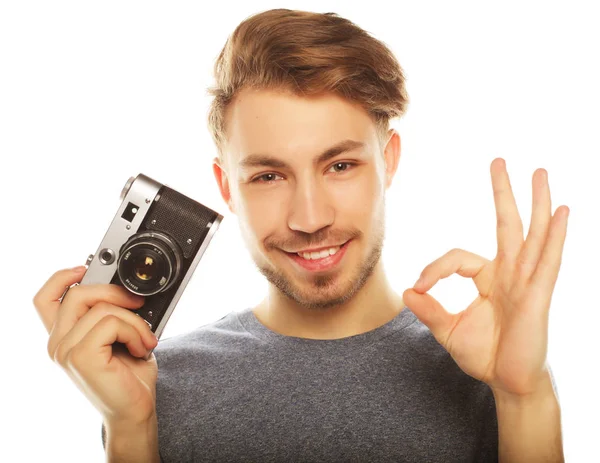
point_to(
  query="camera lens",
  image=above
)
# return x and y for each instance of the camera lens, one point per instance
(149, 263)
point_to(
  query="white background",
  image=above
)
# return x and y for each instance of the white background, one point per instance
(92, 93)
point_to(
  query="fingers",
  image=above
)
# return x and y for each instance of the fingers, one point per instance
(432, 314)
(97, 344)
(509, 228)
(80, 299)
(59, 347)
(546, 272)
(46, 299)
(541, 213)
(464, 263)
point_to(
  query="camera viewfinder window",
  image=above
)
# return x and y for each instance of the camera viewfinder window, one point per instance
(129, 212)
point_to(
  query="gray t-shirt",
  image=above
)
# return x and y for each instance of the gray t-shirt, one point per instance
(234, 390)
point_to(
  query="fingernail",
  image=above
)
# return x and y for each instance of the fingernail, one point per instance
(78, 269)
(418, 283)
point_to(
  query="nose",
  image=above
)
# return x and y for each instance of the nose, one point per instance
(310, 209)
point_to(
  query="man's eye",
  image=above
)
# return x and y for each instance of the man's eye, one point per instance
(343, 164)
(264, 176)
(270, 177)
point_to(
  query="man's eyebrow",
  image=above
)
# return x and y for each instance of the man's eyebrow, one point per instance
(263, 160)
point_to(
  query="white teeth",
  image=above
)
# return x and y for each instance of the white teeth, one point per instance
(320, 254)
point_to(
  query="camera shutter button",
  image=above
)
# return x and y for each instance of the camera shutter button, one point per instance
(107, 256)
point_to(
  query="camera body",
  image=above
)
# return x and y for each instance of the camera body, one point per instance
(152, 247)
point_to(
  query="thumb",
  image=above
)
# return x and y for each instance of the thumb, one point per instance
(431, 313)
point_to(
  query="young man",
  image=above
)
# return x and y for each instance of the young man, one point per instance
(333, 364)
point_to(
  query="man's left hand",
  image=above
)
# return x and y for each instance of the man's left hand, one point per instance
(501, 338)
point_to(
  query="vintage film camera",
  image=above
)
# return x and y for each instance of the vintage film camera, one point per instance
(152, 247)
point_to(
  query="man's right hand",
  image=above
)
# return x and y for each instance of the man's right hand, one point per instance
(83, 328)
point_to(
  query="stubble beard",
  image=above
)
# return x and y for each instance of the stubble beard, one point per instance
(323, 292)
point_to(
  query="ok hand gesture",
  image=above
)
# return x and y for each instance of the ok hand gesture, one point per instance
(501, 338)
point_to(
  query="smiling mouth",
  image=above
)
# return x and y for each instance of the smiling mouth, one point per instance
(323, 260)
(315, 255)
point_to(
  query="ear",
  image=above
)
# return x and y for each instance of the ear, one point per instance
(392, 156)
(223, 182)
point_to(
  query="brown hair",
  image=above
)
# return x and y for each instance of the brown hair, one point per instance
(307, 54)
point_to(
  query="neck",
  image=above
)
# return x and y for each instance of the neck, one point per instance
(373, 306)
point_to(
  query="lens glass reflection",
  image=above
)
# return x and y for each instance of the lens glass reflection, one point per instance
(145, 268)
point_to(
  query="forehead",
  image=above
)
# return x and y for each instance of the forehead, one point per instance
(283, 124)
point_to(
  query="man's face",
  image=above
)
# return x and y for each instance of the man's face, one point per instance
(292, 204)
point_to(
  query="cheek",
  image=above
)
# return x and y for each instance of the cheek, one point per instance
(261, 214)
(359, 198)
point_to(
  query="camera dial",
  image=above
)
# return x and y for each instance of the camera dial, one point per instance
(149, 263)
